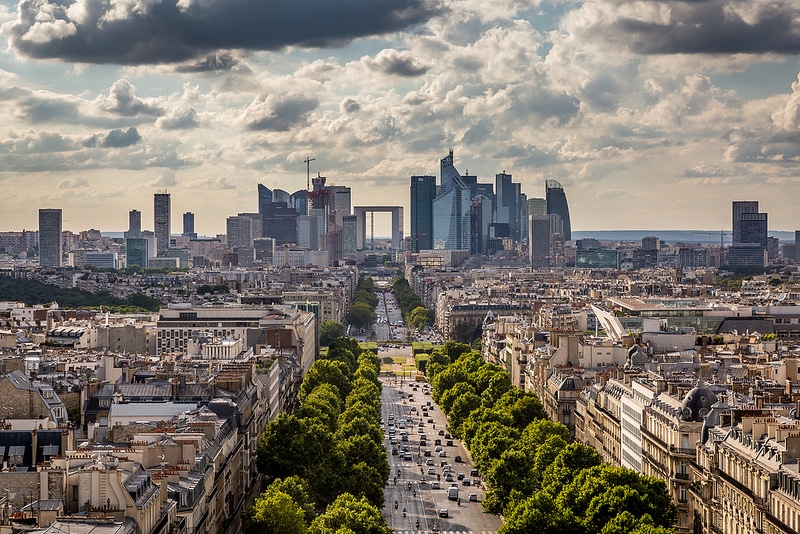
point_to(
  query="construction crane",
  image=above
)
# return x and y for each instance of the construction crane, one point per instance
(308, 161)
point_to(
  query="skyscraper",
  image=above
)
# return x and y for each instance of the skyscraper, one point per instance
(507, 204)
(279, 222)
(753, 228)
(557, 205)
(50, 249)
(161, 220)
(423, 191)
(188, 224)
(451, 209)
(239, 232)
(134, 224)
(738, 208)
(539, 241)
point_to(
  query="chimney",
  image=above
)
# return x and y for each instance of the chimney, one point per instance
(34, 447)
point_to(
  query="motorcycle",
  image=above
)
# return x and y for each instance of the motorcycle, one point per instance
(395, 505)
(404, 512)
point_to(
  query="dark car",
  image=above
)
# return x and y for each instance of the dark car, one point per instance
(441, 432)
(457, 459)
(449, 442)
(394, 451)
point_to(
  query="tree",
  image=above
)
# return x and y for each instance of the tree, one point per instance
(489, 443)
(463, 406)
(420, 317)
(349, 514)
(275, 512)
(367, 297)
(330, 330)
(572, 459)
(595, 495)
(332, 372)
(539, 514)
(526, 410)
(360, 315)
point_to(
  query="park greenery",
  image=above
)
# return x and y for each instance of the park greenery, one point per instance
(33, 292)
(538, 478)
(326, 465)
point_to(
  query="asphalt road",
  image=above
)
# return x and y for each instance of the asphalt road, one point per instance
(414, 489)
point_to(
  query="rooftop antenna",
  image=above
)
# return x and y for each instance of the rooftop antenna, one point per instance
(308, 161)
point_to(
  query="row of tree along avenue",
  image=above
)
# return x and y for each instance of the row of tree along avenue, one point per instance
(538, 479)
(326, 465)
(361, 313)
(414, 312)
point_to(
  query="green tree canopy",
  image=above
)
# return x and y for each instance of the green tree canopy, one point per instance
(348, 512)
(275, 512)
(360, 315)
(330, 330)
(332, 372)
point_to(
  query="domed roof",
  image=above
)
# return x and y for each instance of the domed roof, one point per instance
(636, 356)
(697, 403)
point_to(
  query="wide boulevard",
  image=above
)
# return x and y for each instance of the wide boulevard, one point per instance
(421, 470)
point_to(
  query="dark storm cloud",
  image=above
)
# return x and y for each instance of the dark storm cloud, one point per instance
(219, 61)
(120, 139)
(397, 64)
(278, 113)
(713, 27)
(166, 31)
(114, 139)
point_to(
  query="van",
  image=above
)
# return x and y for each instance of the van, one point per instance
(452, 493)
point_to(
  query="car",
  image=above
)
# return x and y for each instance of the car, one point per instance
(473, 497)
(413, 408)
(465, 482)
(430, 419)
(443, 512)
(393, 440)
(437, 442)
(422, 443)
(457, 459)
(443, 454)
(441, 432)
(448, 477)
(427, 452)
(429, 461)
(394, 451)
(461, 476)
(473, 473)
(435, 484)
(443, 463)
(448, 436)
(438, 448)
(449, 442)
(431, 471)
(408, 456)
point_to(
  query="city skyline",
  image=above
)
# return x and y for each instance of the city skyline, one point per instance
(655, 116)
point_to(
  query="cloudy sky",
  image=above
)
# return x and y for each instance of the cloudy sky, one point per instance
(652, 114)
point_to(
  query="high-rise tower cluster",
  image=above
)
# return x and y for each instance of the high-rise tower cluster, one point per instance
(461, 213)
